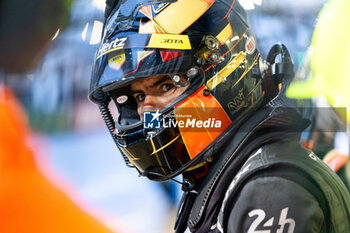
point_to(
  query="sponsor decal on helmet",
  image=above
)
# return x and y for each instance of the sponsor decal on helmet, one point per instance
(107, 47)
(237, 102)
(117, 61)
(160, 7)
(250, 45)
(122, 99)
(169, 41)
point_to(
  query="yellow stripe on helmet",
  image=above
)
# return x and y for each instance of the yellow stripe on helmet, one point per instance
(226, 71)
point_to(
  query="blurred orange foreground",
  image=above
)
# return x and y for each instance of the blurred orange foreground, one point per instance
(28, 202)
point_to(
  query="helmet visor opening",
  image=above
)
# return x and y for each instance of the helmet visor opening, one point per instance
(155, 93)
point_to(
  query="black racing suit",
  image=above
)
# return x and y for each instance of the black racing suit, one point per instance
(264, 181)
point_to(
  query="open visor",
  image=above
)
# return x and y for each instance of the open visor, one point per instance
(120, 60)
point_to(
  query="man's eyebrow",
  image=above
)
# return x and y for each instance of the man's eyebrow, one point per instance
(156, 83)
(161, 80)
(132, 92)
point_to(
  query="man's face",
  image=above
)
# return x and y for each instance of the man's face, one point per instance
(155, 93)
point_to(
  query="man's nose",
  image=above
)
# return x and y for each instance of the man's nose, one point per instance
(151, 101)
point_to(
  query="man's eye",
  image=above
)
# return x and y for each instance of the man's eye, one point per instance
(140, 97)
(167, 87)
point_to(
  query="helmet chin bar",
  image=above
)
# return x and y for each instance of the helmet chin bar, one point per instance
(109, 121)
(185, 186)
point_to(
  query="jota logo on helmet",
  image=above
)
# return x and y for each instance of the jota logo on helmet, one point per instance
(117, 43)
(171, 41)
(152, 120)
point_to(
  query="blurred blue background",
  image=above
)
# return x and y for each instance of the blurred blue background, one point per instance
(77, 145)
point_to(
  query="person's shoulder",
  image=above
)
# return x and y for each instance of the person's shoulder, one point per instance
(282, 151)
(273, 202)
(291, 160)
(289, 153)
(281, 183)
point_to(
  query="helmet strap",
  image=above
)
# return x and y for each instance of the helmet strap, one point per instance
(109, 121)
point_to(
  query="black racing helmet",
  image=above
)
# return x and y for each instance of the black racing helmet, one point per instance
(210, 43)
